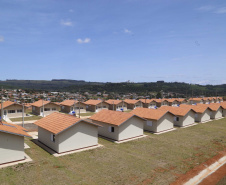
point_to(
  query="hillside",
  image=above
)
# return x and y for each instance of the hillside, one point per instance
(142, 87)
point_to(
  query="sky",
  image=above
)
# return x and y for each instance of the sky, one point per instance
(114, 40)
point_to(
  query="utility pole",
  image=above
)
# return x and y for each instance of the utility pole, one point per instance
(79, 103)
(2, 107)
(42, 108)
(113, 106)
(23, 115)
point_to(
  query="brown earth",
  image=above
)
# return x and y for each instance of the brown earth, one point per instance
(195, 171)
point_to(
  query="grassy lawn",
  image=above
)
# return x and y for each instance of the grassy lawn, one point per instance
(157, 159)
(87, 114)
(26, 118)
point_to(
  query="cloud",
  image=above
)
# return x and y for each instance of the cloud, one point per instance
(1, 38)
(206, 8)
(85, 41)
(127, 31)
(221, 10)
(66, 23)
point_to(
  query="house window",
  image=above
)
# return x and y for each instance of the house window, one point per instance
(53, 109)
(149, 123)
(196, 115)
(33, 108)
(104, 107)
(47, 109)
(19, 110)
(81, 107)
(62, 107)
(11, 111)
(111, 129)
(53, 138)
(176, 118)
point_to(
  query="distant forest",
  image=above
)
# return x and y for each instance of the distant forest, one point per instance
(122, 88)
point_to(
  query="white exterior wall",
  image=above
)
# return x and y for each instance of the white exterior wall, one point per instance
(104, 130)
(44, 136)
(16, 108)
(224, 113)
(216, 114)
(131, 128)
(188, 119)
(101, 106)
(164, 123)
(120, 105)
(205, 116)
(78, 136)
(11, 148)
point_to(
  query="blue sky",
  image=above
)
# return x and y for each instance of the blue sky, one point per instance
(114, 40)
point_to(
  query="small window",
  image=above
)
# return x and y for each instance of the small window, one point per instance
(196, 115)
(19, 110)
(62, 107)
(53, 109)
(53, 138)
(47, 109)
(11, 111)
(104, 106)
(176, 118)
(149, 123)
(111, 129)
(33, 108)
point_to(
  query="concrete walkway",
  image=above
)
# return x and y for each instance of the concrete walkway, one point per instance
(55, 154)
(206, 172)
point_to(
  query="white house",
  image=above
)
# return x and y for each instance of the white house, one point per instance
(157, 120)
(183, 116)
(12, 142)
(63, 132)
(118, 126)
(203, 113)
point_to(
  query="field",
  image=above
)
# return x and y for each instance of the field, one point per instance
(157, 159)
(26, 118)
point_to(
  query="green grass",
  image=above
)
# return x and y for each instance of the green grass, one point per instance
(157, 159)
(26, 118)
(87, 114)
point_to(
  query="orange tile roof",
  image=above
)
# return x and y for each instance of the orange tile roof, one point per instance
(212, 106)
(178, 111)
(181, 99)
(68, 102)
(115, 102)
(93, 102)
(13, 129)
(147, 100)
(154, 114)
(40, 103)
(223, 104)
(159, 100)
(58, 122)
(195, 99)
(172, 100)
(111, 117)
(130, 101)
(6, 104)
(196, 108)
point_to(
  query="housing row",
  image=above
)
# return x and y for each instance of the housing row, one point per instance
(43, 108)
(63, 133)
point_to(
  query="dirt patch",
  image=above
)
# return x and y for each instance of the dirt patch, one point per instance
(215, 177)
(195, 171)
